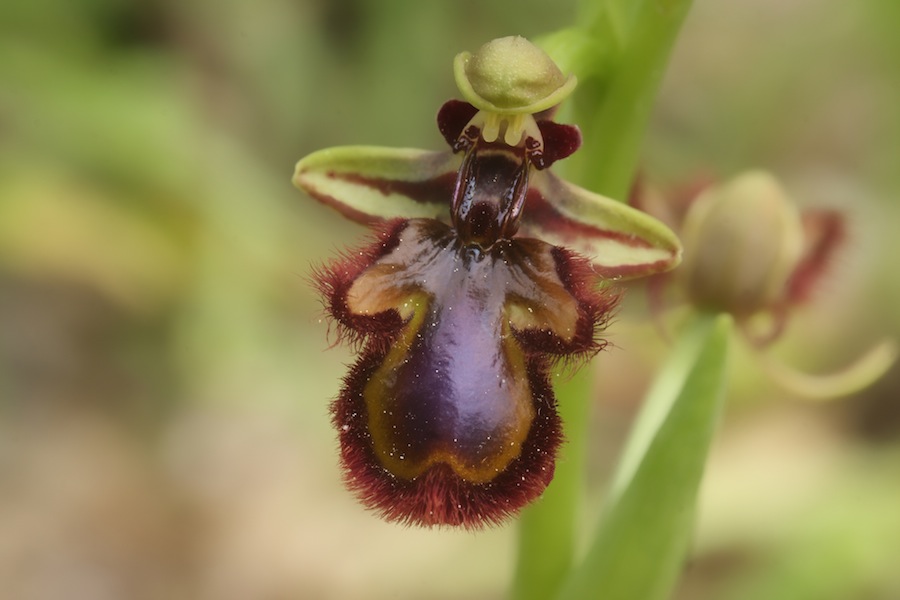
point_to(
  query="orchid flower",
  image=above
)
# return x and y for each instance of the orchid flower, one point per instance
(485, 271)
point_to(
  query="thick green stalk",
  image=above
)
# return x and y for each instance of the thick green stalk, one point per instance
(547, 529)
(613, 120)
(641, 543)
(614, 124)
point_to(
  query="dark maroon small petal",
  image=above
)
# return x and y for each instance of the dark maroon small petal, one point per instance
(560, 141)
(824, 231)
(452, 118)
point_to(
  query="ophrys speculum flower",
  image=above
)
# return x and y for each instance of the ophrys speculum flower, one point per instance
(473, 289)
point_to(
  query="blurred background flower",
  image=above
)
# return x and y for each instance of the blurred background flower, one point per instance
(163, 380)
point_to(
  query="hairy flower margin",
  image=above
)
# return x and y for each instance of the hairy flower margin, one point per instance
(486, 270)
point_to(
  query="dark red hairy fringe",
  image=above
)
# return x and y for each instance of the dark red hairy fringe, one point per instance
(596, 307)
(439, 497)
(334, 279)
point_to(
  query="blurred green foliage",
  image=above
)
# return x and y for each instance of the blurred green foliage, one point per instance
(164, 371)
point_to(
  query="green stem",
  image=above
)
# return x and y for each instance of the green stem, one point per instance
(614, 126)
(640, 545)
(547, 528)
(613, 121)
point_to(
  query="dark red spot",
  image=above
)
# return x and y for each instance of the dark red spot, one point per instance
(452, 118)
(560, 141)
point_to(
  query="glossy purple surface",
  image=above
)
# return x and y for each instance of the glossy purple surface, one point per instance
(453, 388)
(448, 416)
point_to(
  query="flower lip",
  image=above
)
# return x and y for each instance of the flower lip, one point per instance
(511, 76)
(448, 417)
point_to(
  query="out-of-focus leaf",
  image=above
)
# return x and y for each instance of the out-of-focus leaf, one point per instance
(54, 227)
(843, 545)
(644, 534)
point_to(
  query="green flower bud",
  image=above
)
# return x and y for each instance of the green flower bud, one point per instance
(511, 75)
(742, 242)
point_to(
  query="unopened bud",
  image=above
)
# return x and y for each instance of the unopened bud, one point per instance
(742, 242)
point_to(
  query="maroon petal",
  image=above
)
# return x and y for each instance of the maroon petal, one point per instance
(560, 141)
(824, 231)
(452, 118)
